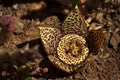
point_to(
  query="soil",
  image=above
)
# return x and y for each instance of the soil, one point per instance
(31, 14)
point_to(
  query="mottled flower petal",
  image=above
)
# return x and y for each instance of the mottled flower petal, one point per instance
(94, 40)
(50, 38)
(74, 23)
(76, 53)
(59, 64)
(67, 61)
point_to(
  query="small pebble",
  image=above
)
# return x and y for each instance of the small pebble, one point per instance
(89, 19)
(45, 70)
(15, 6)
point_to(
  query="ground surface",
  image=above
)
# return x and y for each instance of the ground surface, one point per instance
(29, 16)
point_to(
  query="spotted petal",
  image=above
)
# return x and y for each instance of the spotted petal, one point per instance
(74, 23)
(68, 57)
(50, 38)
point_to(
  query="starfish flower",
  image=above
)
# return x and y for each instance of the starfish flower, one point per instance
(66, 47)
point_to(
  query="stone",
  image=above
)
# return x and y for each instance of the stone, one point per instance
(115, 40)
